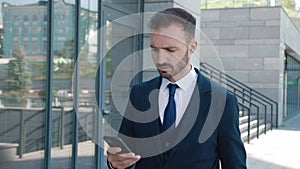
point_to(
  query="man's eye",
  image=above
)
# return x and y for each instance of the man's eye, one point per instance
(171, 50)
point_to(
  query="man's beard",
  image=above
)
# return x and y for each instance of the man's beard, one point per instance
(174, 69)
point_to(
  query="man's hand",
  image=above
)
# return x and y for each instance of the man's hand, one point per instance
(121, 161)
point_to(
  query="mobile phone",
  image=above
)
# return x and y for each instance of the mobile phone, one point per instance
(113, 141)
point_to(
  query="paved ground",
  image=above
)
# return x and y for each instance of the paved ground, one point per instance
(278, 149)
(61, 158)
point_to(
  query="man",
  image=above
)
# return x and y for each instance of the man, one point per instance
(179, 120)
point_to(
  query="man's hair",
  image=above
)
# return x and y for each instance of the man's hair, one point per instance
(174, 16)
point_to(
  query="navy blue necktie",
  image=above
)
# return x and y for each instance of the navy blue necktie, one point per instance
(170, 111)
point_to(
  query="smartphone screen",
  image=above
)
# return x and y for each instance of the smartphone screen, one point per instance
(117, 142)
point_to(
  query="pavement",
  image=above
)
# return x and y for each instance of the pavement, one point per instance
(278, 149)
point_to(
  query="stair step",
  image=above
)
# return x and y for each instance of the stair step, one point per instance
(244, 119)
(253, 124)
(253, 132)
(244, 126)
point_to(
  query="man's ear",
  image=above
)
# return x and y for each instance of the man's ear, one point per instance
(193, 46)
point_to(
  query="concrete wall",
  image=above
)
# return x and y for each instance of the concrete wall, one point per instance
(247, 41)
(249, 44)
(296, 22)
(290, 34)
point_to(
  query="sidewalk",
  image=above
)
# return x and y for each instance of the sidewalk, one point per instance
(278, 149)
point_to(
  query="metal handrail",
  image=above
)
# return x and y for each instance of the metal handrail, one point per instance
(24, 133)
(257, 114)
(237, 81)
(245, 95)
(239, 84)
(236, 89)
(242, 97)
(242, 85)
(248, 120)
(253, 93)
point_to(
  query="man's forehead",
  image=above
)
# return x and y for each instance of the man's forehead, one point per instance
(172, 31)
(166, 38)
(173, 26)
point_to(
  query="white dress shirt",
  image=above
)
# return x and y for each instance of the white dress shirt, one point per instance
(182, 96)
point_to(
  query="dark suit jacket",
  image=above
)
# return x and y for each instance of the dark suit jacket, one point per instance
(208, 134)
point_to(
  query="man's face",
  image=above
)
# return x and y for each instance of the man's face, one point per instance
(170, 51)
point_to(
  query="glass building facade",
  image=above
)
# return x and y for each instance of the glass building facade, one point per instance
(292, 74)
(56, 67)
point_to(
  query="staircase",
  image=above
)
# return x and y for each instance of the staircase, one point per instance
(257, 114)
(253, 127)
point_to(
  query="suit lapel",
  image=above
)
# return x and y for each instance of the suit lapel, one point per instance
(154, 111)
(154, 126)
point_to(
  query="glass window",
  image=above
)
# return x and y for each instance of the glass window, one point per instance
(25, 31)
(63, 68)
(88, 65)
(25, 46)
(25, 18)
(44, 46)
(130, 6)
(22, 84)
(35, 47)
(16, 31)
(16, 18)
(45, 18)
(36, 30)
(45, 30)
(34, 18)
(293, 86)
(23, 100)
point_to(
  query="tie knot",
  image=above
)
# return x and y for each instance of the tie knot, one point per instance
(172, 88)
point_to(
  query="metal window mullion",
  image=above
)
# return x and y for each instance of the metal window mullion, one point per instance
(49, 80)
(76, 86)
(140, 42)
(100, 85)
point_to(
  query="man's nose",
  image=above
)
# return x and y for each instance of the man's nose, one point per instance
(162, 57)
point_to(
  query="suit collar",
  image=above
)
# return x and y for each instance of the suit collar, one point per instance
(203, 88)
(184, 83)
(202, 82)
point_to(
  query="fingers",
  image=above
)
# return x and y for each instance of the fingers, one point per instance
(114, 150)
(121, 161)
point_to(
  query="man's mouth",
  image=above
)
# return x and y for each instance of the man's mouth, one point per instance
(164, 68)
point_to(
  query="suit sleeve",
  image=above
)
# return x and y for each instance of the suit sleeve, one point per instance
(230, 146)
(126, 129)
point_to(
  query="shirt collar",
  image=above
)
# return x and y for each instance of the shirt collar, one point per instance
(182, 83)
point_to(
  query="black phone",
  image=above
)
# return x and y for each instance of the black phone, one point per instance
(113, 141)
